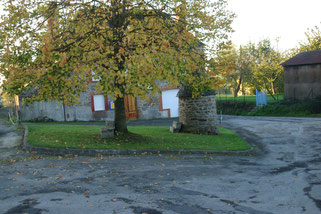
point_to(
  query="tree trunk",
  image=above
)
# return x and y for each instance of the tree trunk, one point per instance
(237, 89)
(120, 116)
(272, 87)
(64, 108)
(270, 92)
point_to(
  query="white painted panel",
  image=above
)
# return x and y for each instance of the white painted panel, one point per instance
(170, 100)
(99, 102)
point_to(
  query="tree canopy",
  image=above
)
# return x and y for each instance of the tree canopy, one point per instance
(50, 48)
(313, 40)
(253, 66)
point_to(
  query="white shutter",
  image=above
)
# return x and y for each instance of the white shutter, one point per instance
(170, 101)
(99, 102)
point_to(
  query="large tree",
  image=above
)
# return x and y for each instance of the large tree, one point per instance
(49, 48)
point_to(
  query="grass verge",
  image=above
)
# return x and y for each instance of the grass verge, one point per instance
(247, 98)
(286, 108)
(140, 137)
(296, 108)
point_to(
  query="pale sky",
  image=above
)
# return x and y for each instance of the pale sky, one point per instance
(286, 19)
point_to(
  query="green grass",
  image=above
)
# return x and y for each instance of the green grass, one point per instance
(247, 98)
(234, 108)
(140, 137)
(296, 108)
(285, 108)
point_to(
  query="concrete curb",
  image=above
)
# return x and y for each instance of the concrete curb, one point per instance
(105, 152)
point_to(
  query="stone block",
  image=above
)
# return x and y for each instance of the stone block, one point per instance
(173, 130)
(107, 132)
(110, 124)
(177, 125)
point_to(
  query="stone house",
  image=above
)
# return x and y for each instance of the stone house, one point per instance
(95, 107)
(302, 75)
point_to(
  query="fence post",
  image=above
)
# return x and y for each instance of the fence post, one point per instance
(257, 103)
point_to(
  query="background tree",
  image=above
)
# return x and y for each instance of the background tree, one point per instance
(313, 40)
(266, 68)
(253, 66)
(235, 65)
(50, 48)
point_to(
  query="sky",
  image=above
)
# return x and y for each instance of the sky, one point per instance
(287, 20)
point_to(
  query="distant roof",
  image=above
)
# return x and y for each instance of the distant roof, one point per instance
(304, 58)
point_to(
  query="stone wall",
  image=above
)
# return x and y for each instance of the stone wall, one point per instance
(302, 81)
(54, 111)
(150, 109)
(4, 111)
(83, 112)
(198, 115)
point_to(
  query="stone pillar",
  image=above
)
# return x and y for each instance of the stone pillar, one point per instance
(198, 115)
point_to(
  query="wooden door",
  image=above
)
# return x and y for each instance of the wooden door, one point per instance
(130, 107)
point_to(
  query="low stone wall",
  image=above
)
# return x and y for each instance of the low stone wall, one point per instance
(4, 111)
(198, 115)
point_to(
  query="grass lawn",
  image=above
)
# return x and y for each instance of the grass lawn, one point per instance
(140, 137)
(248, 98)
(245, 105)
(294, 108)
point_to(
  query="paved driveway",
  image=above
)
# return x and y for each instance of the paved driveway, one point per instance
(284, 177)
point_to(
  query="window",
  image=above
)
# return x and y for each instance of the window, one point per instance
(99, 102)
(93, 78)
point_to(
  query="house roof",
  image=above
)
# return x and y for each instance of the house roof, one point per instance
(304, 58)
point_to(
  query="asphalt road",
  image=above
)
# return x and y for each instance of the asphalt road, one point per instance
(284, 177)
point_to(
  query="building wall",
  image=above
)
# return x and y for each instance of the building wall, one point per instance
(301, 82)
(153, 108)
(149, 109)
(78, 112)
